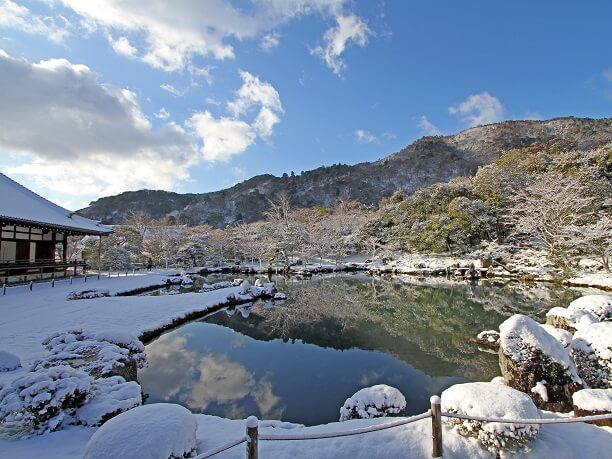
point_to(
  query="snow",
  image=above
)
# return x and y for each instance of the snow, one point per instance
(373, 402)
(8, 361)
(491, 400)
(519, 332)
(596, 337)
(574, 318)
(160, 430)
(540, 389)
(280, 296)
(19, 203)
(593, 400)
(599, 305)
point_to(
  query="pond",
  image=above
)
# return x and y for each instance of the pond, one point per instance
(299, 360)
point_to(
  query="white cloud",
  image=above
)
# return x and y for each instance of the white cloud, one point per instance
(19, 17)
(226, 137)
(607, 74)
(222, 137)
(479, 109)
(270, 41)
(162, 114)
(174, 32)
(427, 127)
(122, 46)
(349, 29)
(78, 136)
(172, 90)
(365, 136)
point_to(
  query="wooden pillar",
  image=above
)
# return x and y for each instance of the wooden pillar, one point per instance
(99, 253)
(436, 426)
(65, 247)
(252, 437)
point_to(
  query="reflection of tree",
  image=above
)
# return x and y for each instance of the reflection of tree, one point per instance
(429, 326)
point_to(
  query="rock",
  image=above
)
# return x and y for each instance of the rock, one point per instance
(598, 305)
(529, 355)
(590, 402)
(280, 296)
(245, 287)
(8, 361)
(488, 338)
(491, 400)
(373, 402)
(157, 431)
(563, 336)
(592, 352)
(258, 283)
(569, 320)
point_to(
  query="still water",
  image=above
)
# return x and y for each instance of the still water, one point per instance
(300, 359)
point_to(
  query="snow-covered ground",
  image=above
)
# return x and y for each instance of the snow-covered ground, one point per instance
(27, 317)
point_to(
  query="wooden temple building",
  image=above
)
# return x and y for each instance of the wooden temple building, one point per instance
(34, 235)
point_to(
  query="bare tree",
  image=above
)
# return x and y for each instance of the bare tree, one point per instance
(594, 238)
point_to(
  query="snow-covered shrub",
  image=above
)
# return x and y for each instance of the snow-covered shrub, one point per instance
(42, 401)
(599, 305)
(157, 431)
(180, 280)
(8, 361)
(280, 296)
(99, 354)
(588, 402)
(528, 354)
(491, 400)
(88, 294)
(592, 352)
(116, 258)
(373, 402)
(111, 396)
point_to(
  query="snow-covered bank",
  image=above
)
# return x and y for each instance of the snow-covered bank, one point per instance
(29, 317)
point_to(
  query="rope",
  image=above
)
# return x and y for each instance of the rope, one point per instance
(598, 417)
(220, 449)
(363, 430)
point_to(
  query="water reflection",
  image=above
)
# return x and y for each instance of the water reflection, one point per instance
(299, 360)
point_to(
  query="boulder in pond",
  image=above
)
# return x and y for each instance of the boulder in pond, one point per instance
(489, 339)
(569, 319)
(530, 357)
(590, 402)
(598, 305)
(592, 351)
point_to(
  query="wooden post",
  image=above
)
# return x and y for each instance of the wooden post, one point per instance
(252, 437)
(436, 426)
(31, 284)
(99, 253)
(3, 289)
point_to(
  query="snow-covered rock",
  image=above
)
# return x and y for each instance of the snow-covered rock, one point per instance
(373, 402)
(588, 402)
(592, 352)
(42, 401)
(491, 400)
(569, 319)
(528, 354)
(280, 296)
(216, 286)
(258, 283)
(157, 431)
(237, 282)
(488, 338)
(111, 396)
(561, 335)
(88, 294)
(245, 287)
(101, 354)
(599, 305)
(8, 361)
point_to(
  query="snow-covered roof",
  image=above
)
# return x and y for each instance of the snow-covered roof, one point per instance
(20, 205)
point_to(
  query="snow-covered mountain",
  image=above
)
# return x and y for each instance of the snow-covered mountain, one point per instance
(427, 161)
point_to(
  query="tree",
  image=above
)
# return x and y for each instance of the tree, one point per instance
(549, 208)
(594, 238)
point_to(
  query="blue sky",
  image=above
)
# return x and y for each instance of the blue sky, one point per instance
(99, 97)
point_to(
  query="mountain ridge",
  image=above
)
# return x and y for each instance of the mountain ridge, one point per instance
(426, 161)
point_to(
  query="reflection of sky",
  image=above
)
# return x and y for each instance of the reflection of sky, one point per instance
(216, 370)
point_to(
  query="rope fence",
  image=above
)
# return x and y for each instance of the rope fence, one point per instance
(252, 437)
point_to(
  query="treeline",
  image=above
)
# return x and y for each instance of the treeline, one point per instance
(548, 195)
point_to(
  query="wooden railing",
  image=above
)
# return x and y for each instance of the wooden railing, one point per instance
(27, 270)
(252, 437)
